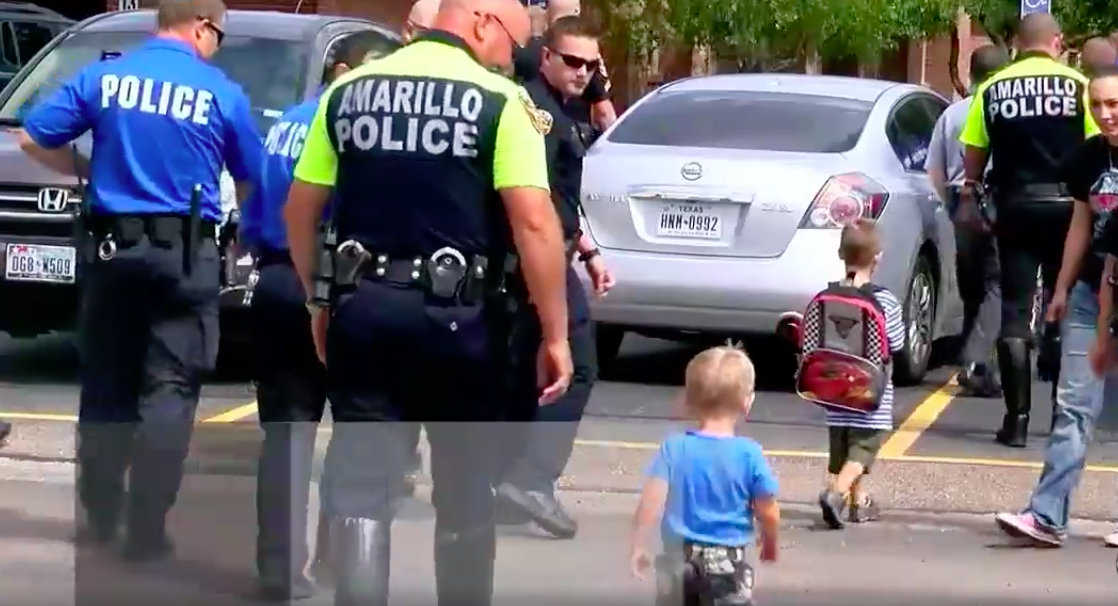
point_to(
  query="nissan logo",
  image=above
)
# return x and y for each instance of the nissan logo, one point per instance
(691, 171)
(53, 199)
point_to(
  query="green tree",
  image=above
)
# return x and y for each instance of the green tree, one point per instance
(767, 34)
(1080, 19)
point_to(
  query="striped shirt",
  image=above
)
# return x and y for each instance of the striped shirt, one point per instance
(882, 418)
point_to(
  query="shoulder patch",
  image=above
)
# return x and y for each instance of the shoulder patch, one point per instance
(541, 119)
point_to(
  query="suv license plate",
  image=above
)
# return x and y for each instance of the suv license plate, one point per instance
(35, 263)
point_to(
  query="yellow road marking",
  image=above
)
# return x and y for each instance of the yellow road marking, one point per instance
(231, 416)
(921, 418)
(39, 416)
(893, 450)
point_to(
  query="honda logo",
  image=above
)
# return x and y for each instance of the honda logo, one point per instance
(53, 199)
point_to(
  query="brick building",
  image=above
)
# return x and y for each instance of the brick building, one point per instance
(924, 62)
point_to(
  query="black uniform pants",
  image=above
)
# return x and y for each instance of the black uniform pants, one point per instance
(1030, 234)
(399, 358)
(550, 438)
(291, 397)
(978, 273)
(148, 334)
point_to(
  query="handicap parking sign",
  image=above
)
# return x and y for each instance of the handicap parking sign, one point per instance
(1029, 7)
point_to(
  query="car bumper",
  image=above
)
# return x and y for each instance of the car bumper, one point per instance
(659, 293)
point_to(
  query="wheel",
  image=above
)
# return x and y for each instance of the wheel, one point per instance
(607, 341)
(911, 364)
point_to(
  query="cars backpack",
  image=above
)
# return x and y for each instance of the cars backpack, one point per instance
(845, 359)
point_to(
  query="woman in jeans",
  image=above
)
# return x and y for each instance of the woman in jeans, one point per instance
(1091, 176)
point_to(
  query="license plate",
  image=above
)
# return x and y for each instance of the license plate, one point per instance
(698, 221)
(34, 263)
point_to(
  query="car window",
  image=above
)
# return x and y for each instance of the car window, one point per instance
(30, 37)
(745, 120)
(272, 72)
(9, 56)
(386, 46)
(909, 131)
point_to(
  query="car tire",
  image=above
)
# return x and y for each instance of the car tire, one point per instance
(911, 364)
(607, 344)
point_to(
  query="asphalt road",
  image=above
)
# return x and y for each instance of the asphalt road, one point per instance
(634, 405)
(935, 559)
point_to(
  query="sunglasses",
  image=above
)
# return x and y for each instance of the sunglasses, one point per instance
(574, 62)
(213, 27)
(501, 24)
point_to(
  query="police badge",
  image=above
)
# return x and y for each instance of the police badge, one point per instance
(541, 119)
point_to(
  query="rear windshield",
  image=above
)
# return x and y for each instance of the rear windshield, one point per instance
(272, 72)
(745, 120)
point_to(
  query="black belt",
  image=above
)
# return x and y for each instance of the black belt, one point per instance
(1034, 190)
(128, 230)
(267, 257)
(450, 275)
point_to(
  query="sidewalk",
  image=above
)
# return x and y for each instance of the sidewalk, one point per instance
(952, 560)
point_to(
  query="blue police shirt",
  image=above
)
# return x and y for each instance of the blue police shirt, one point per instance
(712, 482)
(163, 120)
(262, 224)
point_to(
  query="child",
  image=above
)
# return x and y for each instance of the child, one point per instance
(855, 438)
(709, 485)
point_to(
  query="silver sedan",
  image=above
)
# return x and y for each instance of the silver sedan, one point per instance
(718, 203)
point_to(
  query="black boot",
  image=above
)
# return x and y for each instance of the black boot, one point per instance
(464, 564)
(282, 495)
(363, 550)
(1013, 360)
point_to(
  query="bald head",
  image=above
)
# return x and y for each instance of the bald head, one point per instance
(557, 9)
(492, 28)
(1097, 53)
(420, 18)
(1040, 32)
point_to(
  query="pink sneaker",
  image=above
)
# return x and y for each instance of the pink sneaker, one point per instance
(1024, 525)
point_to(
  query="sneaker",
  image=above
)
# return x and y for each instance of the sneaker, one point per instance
(1025, 525)
(866, 511)
(1111, 540)
(832, 505)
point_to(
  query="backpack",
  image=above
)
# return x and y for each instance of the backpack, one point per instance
(845, 361)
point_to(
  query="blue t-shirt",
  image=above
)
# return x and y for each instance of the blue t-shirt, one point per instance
(262, 224)
(712, 483)
(163, 120)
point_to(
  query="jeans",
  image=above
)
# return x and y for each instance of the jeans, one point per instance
(1079, 401)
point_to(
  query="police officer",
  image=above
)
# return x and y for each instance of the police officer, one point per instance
(1026, 119)
(1098, 54)
(290, 380)
(570, 60)
(419, 19)
(164, 122)
(593, 106)
(976, 252)
(438, 171)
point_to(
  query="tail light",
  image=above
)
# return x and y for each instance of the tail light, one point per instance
(844, 199)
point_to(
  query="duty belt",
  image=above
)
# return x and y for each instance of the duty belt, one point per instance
(446, 273)
(126, 231)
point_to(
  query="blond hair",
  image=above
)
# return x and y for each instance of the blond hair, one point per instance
(719, 379)
(859, 244)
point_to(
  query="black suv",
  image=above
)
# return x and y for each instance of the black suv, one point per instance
(25, 29)
(278, 58)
